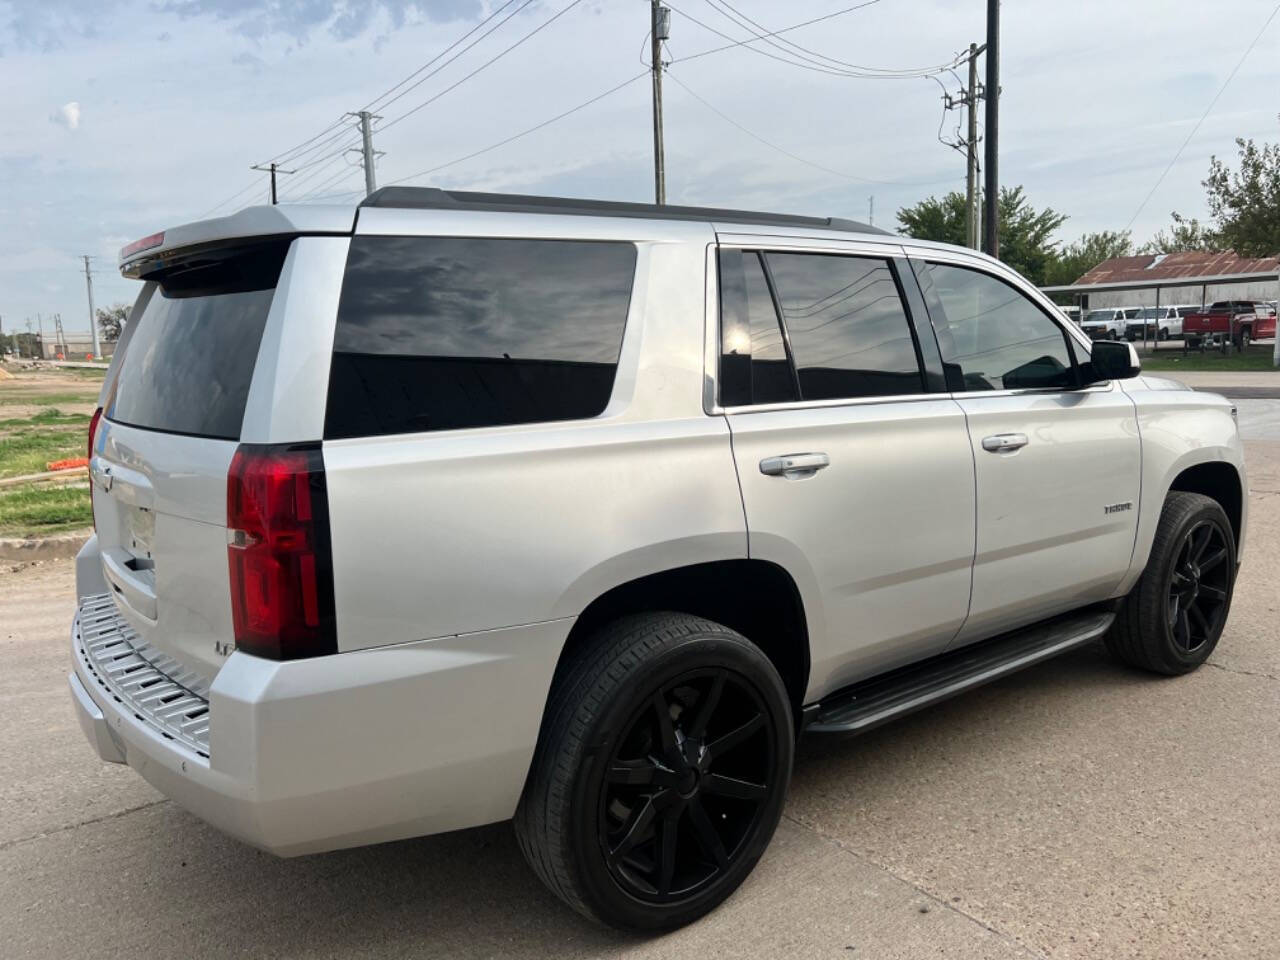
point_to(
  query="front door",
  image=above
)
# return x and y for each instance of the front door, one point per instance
(1058, 468)
(853, 478)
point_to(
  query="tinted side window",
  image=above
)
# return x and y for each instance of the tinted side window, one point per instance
(992, 337)
(847, 325)
(444, 333)
(754, 367)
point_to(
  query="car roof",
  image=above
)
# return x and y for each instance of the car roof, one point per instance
(433, 198)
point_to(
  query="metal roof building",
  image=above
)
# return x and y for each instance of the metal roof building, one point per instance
(1174, 278)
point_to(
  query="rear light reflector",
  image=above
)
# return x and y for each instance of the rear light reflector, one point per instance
(279, 553)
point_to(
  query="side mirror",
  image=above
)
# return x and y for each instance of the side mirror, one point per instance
(1111, 360)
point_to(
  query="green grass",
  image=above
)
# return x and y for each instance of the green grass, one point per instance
(28, 446)
(1257, 358)
(37, 510)
(14, 397)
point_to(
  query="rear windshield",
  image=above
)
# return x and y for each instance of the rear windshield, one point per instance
(442, 333)
(190, 359)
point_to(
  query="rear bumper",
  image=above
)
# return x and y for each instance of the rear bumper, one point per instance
(349, 749)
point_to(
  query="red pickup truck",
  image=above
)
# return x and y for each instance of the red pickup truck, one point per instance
(1229, 321)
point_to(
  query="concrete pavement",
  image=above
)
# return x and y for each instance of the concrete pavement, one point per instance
(1077, 809)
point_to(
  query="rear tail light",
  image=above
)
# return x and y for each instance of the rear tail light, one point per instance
(279, 552)
(93, 435)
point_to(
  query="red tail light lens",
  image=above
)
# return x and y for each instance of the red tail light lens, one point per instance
(93, 435)
(279, 553)
(93, 429)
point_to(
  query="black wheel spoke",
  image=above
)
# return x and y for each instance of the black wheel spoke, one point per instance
(667, 854)
(1214, 593)
(733, 787)
(705, 831)
(734, 737)
(709, 703)
(1199, 540)
(1212, 560)
(637, 830)
(1182, 630)
(1195, 613)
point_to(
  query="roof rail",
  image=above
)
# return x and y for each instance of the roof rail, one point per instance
(433, 198)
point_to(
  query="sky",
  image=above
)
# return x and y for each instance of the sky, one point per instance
(122, 117)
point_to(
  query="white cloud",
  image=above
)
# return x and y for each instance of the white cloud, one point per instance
(67, 115)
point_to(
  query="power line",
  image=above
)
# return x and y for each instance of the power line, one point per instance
(794, 156)
(420, 82)
(752, 26)
(777, 33)
(516, 136)
(528, 36)
(859, 73)
(1209, 109)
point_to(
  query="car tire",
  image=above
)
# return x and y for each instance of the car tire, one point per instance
(1163, 334)
(1173, 618)
(1245, 337)
(660, 772)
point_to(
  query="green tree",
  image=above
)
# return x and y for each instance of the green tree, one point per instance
(1186, 234)
(1245, 204)
(111, 320)
(1076, 259)
(1025, 233)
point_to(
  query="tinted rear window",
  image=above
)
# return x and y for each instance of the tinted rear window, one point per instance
(444, 333)
(190, 359)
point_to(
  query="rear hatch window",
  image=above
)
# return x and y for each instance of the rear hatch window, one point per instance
(191, 357)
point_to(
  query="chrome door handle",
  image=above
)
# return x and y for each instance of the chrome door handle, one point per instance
(794, 465)
(1004, 442)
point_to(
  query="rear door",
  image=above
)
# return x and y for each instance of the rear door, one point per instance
(1058, 468)
(855, 477)
(172, 419)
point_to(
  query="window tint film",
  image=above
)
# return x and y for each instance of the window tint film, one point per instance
(753, 356)
(190, 358)
(847, 325)
(994, 338)
(444, 333)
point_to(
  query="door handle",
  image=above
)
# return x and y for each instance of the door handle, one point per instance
(794, 465)
(1004, 442)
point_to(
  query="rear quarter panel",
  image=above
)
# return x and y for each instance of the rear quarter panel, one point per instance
(437, 534)
(1180, 428)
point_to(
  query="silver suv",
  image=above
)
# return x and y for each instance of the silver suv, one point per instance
(457, 507)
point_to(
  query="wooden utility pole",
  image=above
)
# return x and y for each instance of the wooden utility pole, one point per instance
(991, 226)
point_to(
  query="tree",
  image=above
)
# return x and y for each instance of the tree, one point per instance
(1025, 233)
(1184, 235)
(1246, 204)
(1076, 259)
(111, 320)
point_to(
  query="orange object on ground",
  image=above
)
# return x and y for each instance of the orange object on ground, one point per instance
(69, 464)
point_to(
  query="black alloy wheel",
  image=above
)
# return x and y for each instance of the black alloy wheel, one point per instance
(686, 785)
(660, 773)
(1199, 587)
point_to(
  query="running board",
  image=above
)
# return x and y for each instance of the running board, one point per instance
(872, 702)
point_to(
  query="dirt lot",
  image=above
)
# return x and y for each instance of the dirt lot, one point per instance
(1075, 810)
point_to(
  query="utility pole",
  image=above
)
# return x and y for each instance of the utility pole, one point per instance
(273, 169)
(366, 151)
(972, 208)
(871, 210)
(991, 231)
(93, 319)
(659, 30)
(40, 327)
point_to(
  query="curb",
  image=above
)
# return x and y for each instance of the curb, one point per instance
(57, 547)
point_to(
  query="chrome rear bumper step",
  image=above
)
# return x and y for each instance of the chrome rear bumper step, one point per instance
(870, 703)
